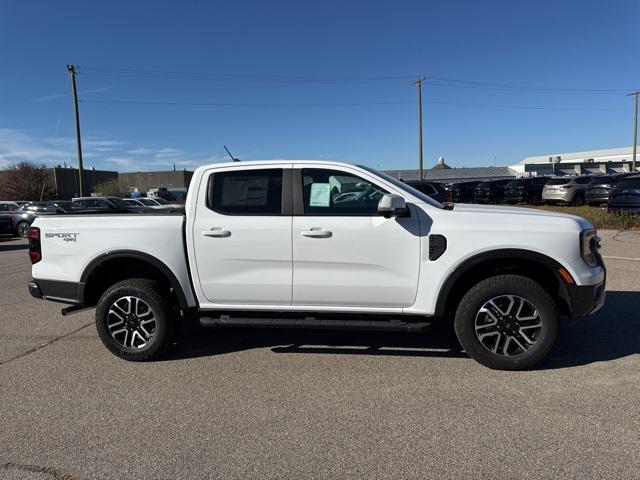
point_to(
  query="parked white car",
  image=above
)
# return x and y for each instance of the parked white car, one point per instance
(266, 243)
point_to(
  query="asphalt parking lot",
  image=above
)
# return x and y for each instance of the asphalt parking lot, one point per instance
(306, 404)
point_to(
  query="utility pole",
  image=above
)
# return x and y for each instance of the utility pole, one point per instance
(72, 72)
(635, 128)
(418, 82)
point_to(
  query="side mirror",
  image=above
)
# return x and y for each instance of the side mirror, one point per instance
(392, 205)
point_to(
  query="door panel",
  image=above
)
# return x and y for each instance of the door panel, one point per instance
(242, 245)
(344, 254)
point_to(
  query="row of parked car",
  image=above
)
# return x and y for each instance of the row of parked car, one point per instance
(620, 192)
(17, 216)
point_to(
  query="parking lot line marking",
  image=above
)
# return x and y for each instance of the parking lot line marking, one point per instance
(612, 257)
(46, 344)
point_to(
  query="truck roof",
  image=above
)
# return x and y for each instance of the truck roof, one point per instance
(272, 162)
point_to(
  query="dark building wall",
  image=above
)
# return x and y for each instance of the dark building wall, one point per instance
(68, 185)
(144, 181)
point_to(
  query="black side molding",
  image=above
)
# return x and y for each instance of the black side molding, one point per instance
(338, 322)
(57, 291)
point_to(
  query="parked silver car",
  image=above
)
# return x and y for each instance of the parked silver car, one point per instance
(566, 190)
(24, 216)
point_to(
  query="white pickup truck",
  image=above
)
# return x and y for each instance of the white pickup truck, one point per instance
(322, 245)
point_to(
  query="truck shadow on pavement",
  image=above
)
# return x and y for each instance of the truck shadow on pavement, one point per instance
(611, 333)
(8, 244)
(196, 341)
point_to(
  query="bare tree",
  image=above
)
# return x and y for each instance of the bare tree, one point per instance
(27, 181)
(111, 188)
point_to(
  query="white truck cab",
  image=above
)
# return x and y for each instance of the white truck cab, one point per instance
(323, 245)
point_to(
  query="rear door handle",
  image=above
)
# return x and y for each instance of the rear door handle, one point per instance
(317, 233)
(216, 232)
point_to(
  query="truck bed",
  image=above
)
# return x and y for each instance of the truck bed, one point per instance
(70, 243)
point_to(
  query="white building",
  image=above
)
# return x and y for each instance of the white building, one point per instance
(610, 160)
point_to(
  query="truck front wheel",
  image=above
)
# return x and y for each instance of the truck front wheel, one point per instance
(134, 320)
(507, 322)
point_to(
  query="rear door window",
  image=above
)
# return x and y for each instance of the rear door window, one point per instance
(246, 192)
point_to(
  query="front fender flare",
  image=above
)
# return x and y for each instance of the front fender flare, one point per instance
(499, 254)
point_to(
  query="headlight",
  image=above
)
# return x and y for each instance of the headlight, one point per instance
(590, 247)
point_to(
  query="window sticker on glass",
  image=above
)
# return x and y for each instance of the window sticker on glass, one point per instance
(245, 191)
(320, 195)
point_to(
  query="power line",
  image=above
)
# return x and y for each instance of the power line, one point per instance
(231, 104)
(332, 80)
(238, 77)
(538, 91)
(526, 87)
(353, 104)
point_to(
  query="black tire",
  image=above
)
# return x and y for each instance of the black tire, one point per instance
(22, 229)
(501, 285)
(577, 200)
(534, 200)
(164, 317)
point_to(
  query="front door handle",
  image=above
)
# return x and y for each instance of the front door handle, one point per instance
(317, 233)
(216, 232)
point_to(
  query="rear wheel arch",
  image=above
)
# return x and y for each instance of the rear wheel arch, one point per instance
(111, 267)
(536, 266)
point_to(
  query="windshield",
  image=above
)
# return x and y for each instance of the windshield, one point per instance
(148, 202)
(517, 183)
(558, 181)
(629, 183)
(118, 202)
(403, 186)
(161, 201)
(33, 207)
(70, 205)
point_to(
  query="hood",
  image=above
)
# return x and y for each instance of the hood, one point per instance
(517, 211)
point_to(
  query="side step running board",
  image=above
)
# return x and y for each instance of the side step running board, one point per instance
(313, 322)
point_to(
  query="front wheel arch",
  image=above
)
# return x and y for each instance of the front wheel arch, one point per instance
(534, 265)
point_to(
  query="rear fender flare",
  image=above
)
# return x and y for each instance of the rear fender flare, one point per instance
(145, 257)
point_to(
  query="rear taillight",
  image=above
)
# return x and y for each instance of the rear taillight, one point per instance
(35, 252)
(566, 186)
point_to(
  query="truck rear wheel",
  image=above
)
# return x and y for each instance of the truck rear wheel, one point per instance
(507, 322)
(134, 320)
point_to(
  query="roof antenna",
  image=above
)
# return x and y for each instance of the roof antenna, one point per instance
(232, 157)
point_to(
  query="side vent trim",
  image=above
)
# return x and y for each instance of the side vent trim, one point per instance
(437, 246)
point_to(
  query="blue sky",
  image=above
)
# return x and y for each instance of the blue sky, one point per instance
(505, 79)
